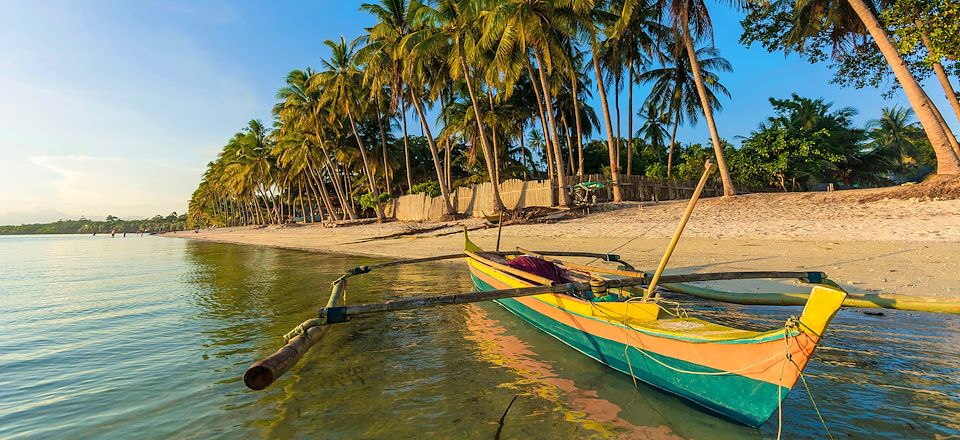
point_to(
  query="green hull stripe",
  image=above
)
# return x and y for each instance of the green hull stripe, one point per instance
(740, 398)
(771, 336)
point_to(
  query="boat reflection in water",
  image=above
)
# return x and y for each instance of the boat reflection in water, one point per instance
(598, 400)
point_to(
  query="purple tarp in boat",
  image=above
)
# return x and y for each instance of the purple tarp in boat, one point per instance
(540, 267)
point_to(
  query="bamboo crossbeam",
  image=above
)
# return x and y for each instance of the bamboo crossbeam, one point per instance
(364, 269)
(341, 314)
(858, 300)
(813, 277)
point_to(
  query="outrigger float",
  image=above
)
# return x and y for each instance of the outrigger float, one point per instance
(619, 318)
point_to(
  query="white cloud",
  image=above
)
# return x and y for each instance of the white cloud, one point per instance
(101, 107)
(97, 186)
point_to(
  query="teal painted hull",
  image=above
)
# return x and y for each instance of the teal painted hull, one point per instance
(742, 399)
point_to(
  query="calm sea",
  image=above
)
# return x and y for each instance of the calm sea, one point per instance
(145, 337)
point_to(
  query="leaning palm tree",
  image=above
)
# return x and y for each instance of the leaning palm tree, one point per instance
(674, 86)
(846, 20)
(340, 84)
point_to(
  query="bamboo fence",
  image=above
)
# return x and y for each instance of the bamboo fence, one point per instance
(477, 200)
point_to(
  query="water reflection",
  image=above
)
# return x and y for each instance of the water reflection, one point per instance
(149, 338)
(452, 371)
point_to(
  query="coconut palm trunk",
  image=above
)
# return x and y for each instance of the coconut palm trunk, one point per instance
(448, 163)
(321, 187)
(406, 146)
(673, 141)
(728, 189)
(629, 116)
(497, 201)
(543, 126)
(576, 118)
(441, 180)
(614, 169)
(940, 72)
(564, 197)
(494, 137)
(943, 123)
(366, 167)
(523, 153)
(566, 133)
(303, 210)
(383, 146)
(342, 194)
(947, 161)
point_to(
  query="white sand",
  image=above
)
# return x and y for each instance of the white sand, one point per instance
(891, 246)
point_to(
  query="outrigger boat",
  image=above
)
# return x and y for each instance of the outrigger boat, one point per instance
(619, 318)
(741, 374)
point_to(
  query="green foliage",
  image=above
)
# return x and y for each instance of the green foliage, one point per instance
(776, 156)
(172, 222)
(430, 188)
(806, 143)
(657, 170)
(595, 157)
(940, 22)
(690, 160)
(835, 35)
(368, 201)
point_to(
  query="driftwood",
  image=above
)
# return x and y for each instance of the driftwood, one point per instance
(410, 232)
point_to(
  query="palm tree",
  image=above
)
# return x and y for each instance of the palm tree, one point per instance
(674, 86)
(689, 17)
(593, 20)
(637, 32)
(896, 132)
(846, 19)
(386, 38)
(450, 28)
(339, 85)
(536, 141)
(385, 47)
(654, 121)
(300, 110)
(537, 27)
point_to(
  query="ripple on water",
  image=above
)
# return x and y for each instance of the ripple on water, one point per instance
(148, 337)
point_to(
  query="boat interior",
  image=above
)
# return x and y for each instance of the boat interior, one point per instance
(618, 306)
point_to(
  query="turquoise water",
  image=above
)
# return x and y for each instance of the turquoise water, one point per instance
(148, 337)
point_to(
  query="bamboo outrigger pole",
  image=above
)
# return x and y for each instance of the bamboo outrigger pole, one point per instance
(263, 373)
(707, 168)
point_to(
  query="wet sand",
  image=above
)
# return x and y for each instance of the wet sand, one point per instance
(908, 247)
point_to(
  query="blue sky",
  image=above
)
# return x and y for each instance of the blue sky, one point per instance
(115, 107)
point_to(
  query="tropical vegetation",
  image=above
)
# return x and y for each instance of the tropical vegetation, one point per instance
(157, 223)
(500, 89)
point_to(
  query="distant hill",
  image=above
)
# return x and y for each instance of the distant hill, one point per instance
(157, 223)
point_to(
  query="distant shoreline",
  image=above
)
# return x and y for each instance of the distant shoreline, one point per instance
(892, 246)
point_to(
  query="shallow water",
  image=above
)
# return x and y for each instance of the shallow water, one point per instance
(148, 337)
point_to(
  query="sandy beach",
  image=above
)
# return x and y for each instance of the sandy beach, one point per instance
(909, 247)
